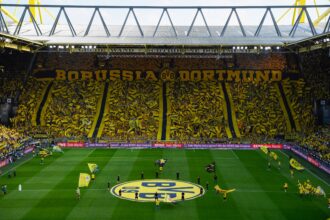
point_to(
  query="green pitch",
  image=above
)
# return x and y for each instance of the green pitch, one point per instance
(49, 189)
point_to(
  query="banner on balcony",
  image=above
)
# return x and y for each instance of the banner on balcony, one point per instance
(164, 75)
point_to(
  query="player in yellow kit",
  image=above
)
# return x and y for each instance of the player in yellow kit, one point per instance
(285, 187)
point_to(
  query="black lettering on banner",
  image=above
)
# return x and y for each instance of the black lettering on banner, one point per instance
(230, 75)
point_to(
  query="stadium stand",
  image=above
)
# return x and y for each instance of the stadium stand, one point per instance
(198, 112)
(133, 111)
(10, 87)
(29, 99)
(9, 141)
(318, 143)
(71, 108)
(13, 67)
(316, 86)
(316, 72)
(257, 115)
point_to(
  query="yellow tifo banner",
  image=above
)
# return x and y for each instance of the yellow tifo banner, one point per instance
(93, 167)
(219, 190)
(296, 165)
(44, 153)
(84, 180)
(264, 149)
(273, 155)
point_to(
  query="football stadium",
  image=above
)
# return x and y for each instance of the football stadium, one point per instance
(165, 109)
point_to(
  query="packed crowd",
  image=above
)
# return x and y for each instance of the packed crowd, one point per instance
(13, 67)
(318, 143)
(72, 107)
(9, 87)
(133, 112)
(316, 71)
(9, 141)
(261, 61)
(257, 115)
(296, 91)
(29, 99)
(196, 111)
(196, 108)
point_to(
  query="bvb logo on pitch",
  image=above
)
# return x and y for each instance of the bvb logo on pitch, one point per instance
(146, 190)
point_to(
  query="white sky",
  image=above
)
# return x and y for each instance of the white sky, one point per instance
(182, 17)
(170, 2)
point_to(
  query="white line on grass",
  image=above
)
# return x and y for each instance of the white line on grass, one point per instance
(15, 167)
(310, 171)
(105, 189)
(234, 154)
(225, 158)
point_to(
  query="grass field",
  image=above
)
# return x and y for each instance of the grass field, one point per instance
(49, 189)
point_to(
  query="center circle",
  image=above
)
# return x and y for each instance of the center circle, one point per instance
(167, 190)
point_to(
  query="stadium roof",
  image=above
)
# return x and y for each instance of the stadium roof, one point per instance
(165, 36)
(63, 31)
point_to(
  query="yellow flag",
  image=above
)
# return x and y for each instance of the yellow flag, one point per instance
(295, 164)
(84, 180)
(273, 155)
(264, 149)
(219, 190)
(57, 149)
(93, 167)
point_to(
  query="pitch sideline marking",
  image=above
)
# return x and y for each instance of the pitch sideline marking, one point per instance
(15, 167)
(234, 154)
(310, 171)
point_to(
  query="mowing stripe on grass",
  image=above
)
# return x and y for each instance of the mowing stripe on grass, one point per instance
(25, 173)
(251, 205)
(11, 167)
(17, 204)
(98, 203)
(66, 200)
(48, 190)
(232, 202)
(177, 162)
(125, 209)
(211, 201)
(316, 176)
(269, 181)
